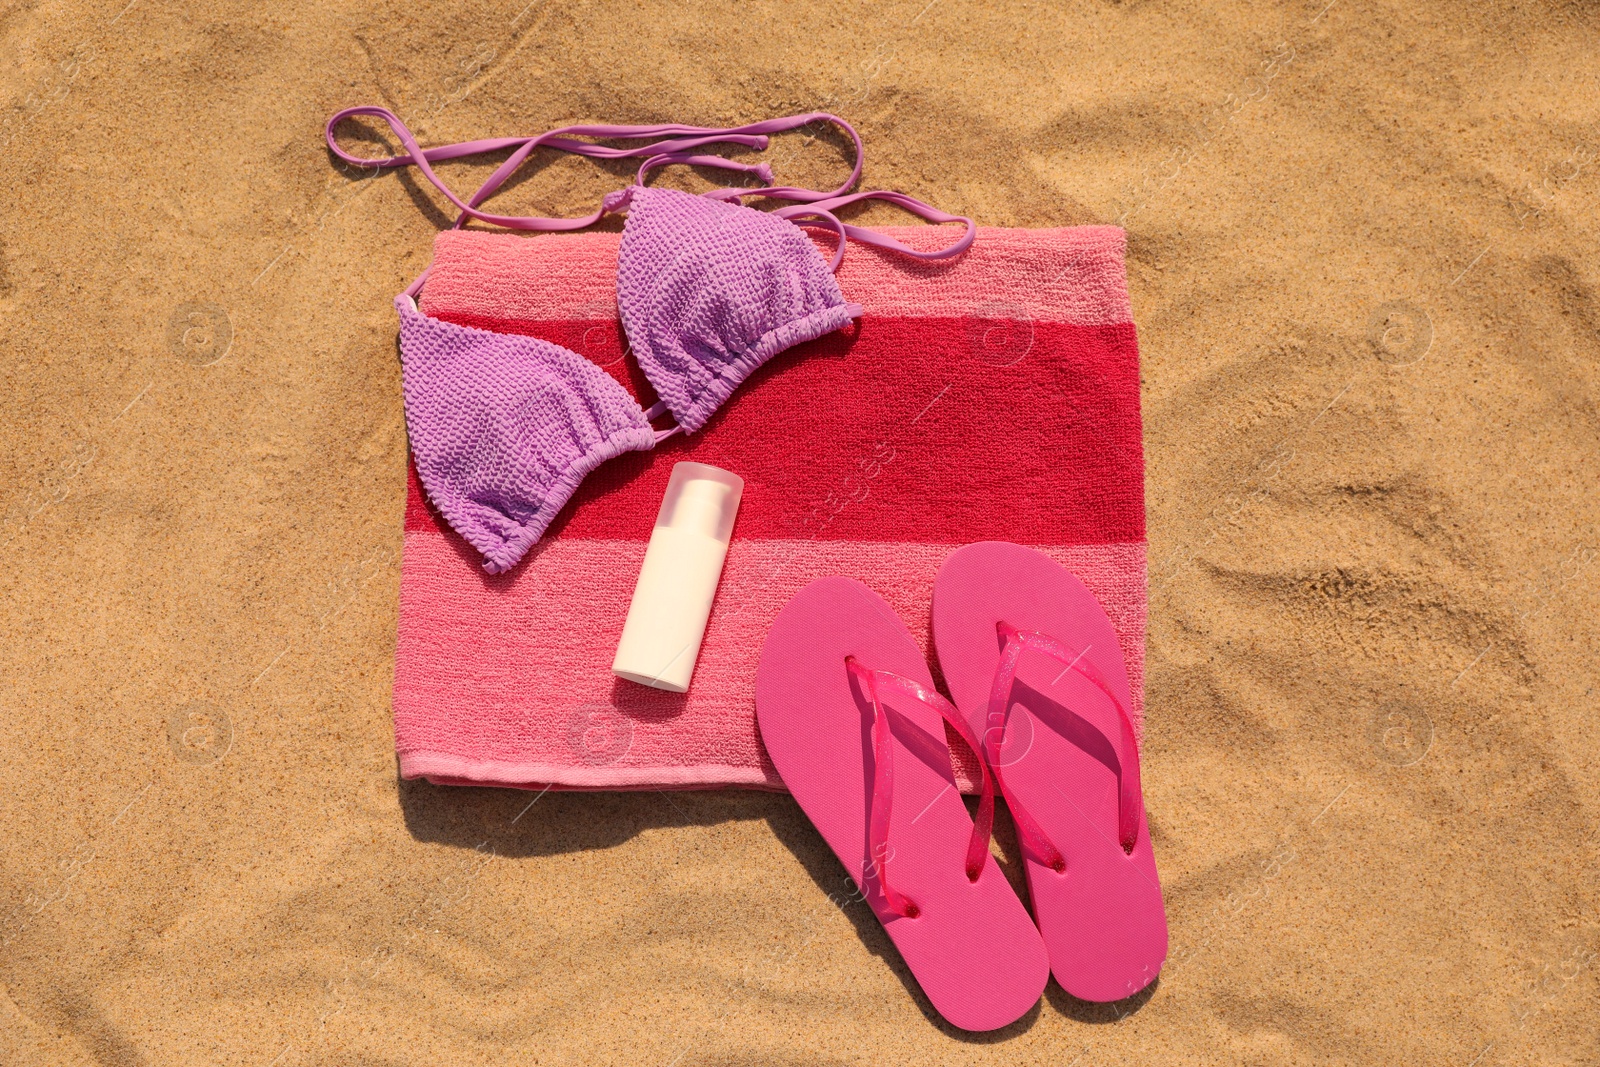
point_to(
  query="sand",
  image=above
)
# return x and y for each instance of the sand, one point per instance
(1362, 261)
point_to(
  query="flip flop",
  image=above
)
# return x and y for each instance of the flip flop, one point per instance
(850, 716)
(1032, 661)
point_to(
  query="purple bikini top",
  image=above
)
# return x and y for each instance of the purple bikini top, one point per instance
(504, 427)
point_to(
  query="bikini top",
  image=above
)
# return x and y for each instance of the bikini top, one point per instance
(504, 427)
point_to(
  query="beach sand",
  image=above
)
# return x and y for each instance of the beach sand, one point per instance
(1362, 257)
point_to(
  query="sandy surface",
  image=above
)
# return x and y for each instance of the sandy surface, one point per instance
(1363, 264)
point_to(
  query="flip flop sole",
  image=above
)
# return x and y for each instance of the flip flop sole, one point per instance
(1102, 917)
(972, 947)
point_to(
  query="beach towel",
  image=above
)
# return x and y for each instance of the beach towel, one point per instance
(995, 397)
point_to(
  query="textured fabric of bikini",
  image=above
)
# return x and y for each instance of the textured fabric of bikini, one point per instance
(504, 427)
(710, 290)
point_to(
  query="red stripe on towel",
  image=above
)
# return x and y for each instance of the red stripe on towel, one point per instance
(842, 438)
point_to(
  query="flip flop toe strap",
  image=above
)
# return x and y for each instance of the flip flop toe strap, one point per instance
(1130, 800)
(873, 683)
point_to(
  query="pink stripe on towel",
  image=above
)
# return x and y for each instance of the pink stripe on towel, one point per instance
(512, 685)
(1072, 275)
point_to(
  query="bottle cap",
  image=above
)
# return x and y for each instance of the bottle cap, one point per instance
(701, 499)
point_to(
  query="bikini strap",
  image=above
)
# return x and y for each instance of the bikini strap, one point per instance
(678, 146)
(878, 240)
(680, 140)
(675, 154)
(819, 205)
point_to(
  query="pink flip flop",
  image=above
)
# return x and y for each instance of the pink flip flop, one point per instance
(1033, 663)
(849, 714)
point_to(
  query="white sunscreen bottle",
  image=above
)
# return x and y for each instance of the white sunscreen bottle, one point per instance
(682, 566)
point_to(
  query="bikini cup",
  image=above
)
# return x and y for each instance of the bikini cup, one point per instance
(504, 427)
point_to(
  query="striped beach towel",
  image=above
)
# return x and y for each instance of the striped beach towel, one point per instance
(992, 398)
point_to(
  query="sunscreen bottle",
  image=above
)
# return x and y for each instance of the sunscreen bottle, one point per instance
(682, 566)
